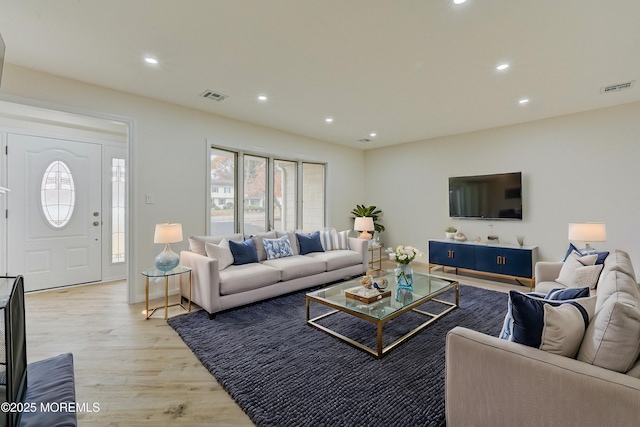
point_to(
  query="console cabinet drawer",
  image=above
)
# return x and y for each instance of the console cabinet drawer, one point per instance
(510, 262)
(451, 255)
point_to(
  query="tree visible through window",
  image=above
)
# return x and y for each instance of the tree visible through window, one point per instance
(255, 194)
(222, 215)
(269, 194)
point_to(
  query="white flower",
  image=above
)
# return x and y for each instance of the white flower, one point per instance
(404, 254)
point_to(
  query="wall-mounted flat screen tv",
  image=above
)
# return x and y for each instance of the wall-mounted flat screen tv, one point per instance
(496, 196)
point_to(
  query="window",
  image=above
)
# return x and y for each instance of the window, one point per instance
(118, 183)
(223, 174)
(57, 194)
(255, 194)
(284, 195)
(312, 196)
(275, 194)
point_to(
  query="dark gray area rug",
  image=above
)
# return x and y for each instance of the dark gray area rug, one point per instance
(283, 372)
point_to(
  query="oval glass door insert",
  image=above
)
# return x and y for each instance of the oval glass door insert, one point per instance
(57, 194)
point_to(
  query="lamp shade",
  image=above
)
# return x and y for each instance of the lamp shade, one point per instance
(168, 233)
(587, 231)
(363, 223)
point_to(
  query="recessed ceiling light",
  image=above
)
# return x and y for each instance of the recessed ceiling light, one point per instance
(328, 120)
(262, 98)
(150, 60)
(372, 134)
(459, 1)
(523, 101)
(502, 67)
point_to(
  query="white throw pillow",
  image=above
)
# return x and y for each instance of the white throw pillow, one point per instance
(612, 340)
(616, 281)
(580, 271)
(221, 252)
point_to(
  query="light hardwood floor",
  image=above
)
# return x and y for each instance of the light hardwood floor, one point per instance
(138, 371)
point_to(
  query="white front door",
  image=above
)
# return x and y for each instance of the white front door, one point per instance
(54, 211)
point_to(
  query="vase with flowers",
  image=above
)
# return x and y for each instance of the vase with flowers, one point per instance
(403, 255)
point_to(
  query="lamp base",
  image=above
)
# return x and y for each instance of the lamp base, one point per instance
(365, 235)
(167, 260)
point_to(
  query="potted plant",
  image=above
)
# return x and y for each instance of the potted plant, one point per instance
(369, 211)
(450, 232)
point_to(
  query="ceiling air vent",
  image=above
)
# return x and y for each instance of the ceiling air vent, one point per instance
(214, 96)
(618, 87)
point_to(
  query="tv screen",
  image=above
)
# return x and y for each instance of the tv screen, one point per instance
(497, 196)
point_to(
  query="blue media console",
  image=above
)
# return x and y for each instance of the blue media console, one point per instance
(489, 259)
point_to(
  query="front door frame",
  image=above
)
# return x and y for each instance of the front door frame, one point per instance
(130, 124)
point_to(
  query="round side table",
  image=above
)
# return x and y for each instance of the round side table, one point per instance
(154, 272)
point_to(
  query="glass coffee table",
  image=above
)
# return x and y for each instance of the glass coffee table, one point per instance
(425, 288)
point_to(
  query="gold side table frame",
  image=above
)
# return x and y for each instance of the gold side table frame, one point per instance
(154, 272)
(375, 264)
(380, 350)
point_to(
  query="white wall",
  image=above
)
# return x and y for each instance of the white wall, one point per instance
(169, 157)
(581, 167)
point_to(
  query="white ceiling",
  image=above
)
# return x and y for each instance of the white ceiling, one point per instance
(406, 69)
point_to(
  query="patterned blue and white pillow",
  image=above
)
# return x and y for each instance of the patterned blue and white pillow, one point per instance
(277, 248)
(553, 326)
(341, 240)
(326, 239)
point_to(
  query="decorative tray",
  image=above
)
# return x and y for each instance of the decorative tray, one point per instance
(366, 296)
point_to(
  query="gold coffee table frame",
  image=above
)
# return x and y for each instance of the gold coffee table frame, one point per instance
(444, 285)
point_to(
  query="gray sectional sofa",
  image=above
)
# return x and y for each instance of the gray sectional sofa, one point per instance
(215, 289)
(495, 382)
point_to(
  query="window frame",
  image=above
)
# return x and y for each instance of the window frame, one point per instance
(239, 154)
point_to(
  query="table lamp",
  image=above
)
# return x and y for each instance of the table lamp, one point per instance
(167, 233)
(587, 232)
(364, 224)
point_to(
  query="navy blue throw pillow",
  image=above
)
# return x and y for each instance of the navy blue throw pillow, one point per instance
(601, 255)
(559, 294)
(243, 252)
(571, 249)
(309, 243)
(529, 319)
